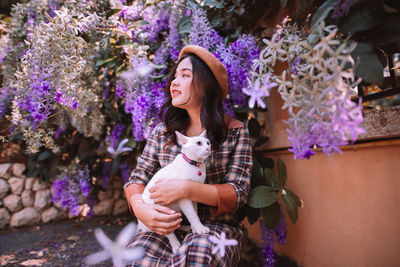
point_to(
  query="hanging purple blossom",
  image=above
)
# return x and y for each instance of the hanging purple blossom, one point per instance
(267, 236)
(116, 135)
(69, 189)
(202, 33)
(105, 175)
(125, 171)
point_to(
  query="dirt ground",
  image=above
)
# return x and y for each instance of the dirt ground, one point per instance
(64, 243)
(68, 242)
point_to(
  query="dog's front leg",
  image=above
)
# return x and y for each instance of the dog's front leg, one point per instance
(187, 208)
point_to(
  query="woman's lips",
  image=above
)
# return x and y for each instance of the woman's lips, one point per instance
(175, 92)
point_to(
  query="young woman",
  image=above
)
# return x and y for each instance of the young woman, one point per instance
(196, 88)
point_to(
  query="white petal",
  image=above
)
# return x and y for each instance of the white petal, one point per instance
(125, 149)
(222, 251)
(133, 254)
(102, 238)
(97, 257)
(213, 239)
(252, 101)
(111, 150)
(126, 234)
(118, 261)
(231, 242)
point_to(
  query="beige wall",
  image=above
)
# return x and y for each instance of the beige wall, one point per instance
(351, 213)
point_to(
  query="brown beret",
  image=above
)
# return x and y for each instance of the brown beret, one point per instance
(216, 66)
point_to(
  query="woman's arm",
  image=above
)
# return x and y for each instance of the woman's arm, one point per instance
(165, 192)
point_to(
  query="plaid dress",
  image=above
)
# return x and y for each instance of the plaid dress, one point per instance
(230, 164)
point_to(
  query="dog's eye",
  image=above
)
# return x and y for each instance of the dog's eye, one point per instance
(198, 143)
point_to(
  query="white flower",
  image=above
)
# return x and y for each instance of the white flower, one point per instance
(120, 148)
(258, 93)
(116, 250)
(221, 243)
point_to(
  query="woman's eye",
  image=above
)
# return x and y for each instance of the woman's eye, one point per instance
(198, 143)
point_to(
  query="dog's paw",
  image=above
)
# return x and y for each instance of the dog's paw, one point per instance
(200, 229)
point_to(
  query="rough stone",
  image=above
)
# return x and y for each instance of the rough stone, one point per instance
(4, 170)
(50, 214)
(39, 185)
(120, 207)
(4, 187)
(4, 218)
(27, 198)
(13, 203)
(16, 185)
(104, 195)
(18, 169)
(29, 183)
(116, 194)
(42, 199)
(103, 208)
(26, 216)
(117, 184)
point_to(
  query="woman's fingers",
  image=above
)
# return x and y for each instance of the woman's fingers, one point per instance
(165, 210)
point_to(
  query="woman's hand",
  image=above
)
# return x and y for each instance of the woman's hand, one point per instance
(165, 192)
(159, 219)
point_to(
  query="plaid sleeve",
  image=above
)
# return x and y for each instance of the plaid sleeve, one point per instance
(240, 164)
(147, 163)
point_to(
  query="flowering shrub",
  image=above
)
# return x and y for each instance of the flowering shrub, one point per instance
(316, 88)
(85, 81)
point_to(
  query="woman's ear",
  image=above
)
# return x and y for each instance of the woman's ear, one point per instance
(182, 139)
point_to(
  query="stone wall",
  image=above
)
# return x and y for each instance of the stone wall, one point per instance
(27, 201)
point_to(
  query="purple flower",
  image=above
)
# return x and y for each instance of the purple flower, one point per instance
(202, 33)
(125, 171)
(106, 173)
(342, 8)
(268, 245)
(116, 135)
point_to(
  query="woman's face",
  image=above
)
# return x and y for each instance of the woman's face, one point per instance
(182, 93)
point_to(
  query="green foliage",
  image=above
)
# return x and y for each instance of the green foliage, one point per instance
(262, 196)
(369, 23)
(266, 186)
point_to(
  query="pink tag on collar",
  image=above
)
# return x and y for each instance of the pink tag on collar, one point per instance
(199, 173)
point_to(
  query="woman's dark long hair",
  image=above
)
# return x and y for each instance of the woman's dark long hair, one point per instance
(211, 113)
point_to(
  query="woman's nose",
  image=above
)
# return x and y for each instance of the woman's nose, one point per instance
(174, 82)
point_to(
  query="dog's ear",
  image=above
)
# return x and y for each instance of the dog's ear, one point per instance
(182, 139)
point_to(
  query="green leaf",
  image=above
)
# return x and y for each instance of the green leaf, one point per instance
(271, 215)
(101, 62)
(363, 17)
(261, 196)
(111, 12)
(321, 13)
(257, 177)
(264, 162)
(185, 25)
(367, 66)
(254, 128)
(291, 202)
(261, 141)
(283, 3)
(131, 143)
(270, 177)
(253, 214)
(282, 173)
(44, 155)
